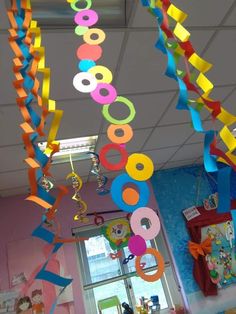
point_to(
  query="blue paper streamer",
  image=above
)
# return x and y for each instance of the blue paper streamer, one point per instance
(224, 175)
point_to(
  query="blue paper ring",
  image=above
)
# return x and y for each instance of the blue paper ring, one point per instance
(116, 192)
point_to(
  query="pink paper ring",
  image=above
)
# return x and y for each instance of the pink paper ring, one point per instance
(137, 245)
(109, 98)
(92, 18)
(136, 223)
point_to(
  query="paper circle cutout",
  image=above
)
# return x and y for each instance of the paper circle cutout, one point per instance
(75, 8)
(106, 164)
(92, 18)
(136, 223)
(160, 262)
(127, 133)
(90, 52)
(109, 98)
(80, 30)
(128, 103)
(116, 192)
(97, 31)
(85, 65)
(137, 245)
(106, 75)
(139, 174)
(78, 82)
(130, 196)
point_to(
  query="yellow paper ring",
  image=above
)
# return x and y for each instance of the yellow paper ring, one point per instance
(100, 33)
(127, 133)
(139, 174)
(106, 75)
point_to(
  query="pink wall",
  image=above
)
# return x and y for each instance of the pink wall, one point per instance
(20, 217)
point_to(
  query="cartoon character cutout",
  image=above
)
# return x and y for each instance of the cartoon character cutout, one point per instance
(38, 306)
(229, 233)
(212, 266)
(214, 234)
(117, 233)
(24, 306)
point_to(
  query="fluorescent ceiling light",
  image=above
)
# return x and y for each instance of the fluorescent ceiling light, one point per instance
(78, 148)
(58, 13)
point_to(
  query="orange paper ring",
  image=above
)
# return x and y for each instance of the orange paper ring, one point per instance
(88, 36)
(160, 262)
(130, 196)
(127, 133)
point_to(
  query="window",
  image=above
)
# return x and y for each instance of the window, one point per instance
(103, 277)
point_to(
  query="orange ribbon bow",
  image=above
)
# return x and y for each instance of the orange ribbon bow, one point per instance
(203, 248)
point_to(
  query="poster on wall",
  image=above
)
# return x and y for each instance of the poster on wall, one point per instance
(25, 258)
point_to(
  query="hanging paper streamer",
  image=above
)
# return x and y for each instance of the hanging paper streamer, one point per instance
(101, 180)
(81, 205)
(126, 198)
(176, 45)
(29, 60)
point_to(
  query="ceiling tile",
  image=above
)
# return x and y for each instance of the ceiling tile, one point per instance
(221, 54)
(160, 156)
(168, 136)
(229, 103)
(231, 20)
(188, 152)
(4, 24)
(149, 108)
(173, 115)
(80, 118)
(12, 158)
(136, 143)
(143, 66)
(11, 180)
(143, 18)
(200, 11)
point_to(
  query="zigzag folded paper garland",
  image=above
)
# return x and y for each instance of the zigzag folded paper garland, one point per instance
(30, 59)
(88, 53)
(182, 47)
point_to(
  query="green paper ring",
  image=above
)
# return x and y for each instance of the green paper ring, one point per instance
(128, 103)
(81, 30)
(74, 7)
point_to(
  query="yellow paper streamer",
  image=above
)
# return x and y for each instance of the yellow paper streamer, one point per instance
(181, 33)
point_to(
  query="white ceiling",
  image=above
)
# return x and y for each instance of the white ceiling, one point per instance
(160, 130)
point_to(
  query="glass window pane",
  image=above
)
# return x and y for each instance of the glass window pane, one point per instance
(146, 289)
(101, 266)
(115, 288)
(148, 259)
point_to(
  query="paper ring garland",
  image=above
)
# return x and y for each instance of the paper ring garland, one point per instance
(85, 65)
(127, 133)
(142, 174)
(136, 225)
(106, 74)
(88, 36)
(137, 245)
(92, 18)
(80, 30)
(160, 270)
(116, 192)
(128, 103)
(75, 8)
(96, 94)
(106, 164)
(80, 86)
(87, 51)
